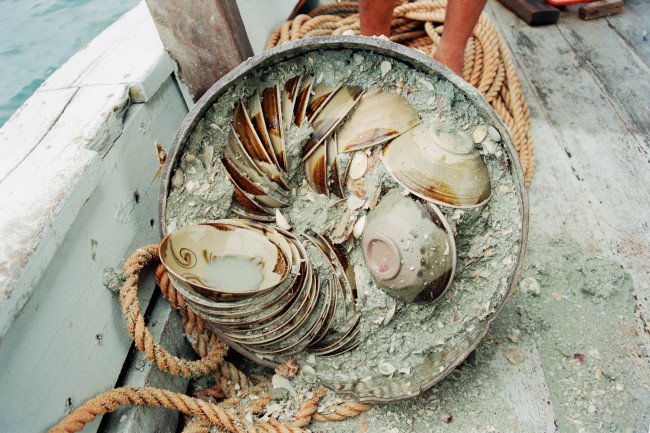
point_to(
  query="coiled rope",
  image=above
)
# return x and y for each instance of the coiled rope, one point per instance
(241, 394)
(419, 25)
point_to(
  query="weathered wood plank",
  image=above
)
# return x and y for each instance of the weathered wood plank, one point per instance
(53, 342)
(604, 156)
(593, 179)
(632, 25)
(526, 391)
(205, 39)
(165, 326)
(617, 70)
(29, 124)
(61, 169)
(533, 12)
(599, 9)
(139, 41)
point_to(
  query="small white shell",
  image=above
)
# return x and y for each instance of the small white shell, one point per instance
(385, 67)
(308, 374)
(390, 314)
(358, 58)
(358, 165)
(280, 382)
(178, 178)
(281, 220)
(355, 202)
(386, 368)
(479, 133)
(208, 154)
(358, 227)
(493, 134)
(489, 146)
(191, 185)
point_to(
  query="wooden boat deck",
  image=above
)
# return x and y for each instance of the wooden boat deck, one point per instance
(584, 338)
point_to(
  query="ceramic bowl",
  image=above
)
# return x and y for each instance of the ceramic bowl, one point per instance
(439, 164)
(224, 261)
(409, 249)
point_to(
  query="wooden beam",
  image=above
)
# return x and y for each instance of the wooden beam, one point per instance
(533, 12)
(206, 39)
(600, 8)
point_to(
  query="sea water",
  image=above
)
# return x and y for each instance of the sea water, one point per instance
(36, 37)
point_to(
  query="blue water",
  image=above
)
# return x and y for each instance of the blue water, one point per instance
(38, 36)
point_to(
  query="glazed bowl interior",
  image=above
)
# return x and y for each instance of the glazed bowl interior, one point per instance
(224, 262)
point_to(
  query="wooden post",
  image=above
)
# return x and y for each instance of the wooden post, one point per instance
(206, 39)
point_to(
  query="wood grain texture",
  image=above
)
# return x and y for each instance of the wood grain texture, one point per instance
(53, 342)
(533, 12)
(526, 392)
(631, 25)
(109, 59)
(600, 8)
(205, 39)
(165, 326)
(586, 88)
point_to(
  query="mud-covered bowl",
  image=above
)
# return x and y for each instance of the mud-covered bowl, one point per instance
(222, 261)
(409, 248)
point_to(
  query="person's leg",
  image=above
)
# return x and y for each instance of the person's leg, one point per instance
(460, 19)
(376, 16)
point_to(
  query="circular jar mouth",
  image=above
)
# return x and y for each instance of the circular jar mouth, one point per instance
(383, 257)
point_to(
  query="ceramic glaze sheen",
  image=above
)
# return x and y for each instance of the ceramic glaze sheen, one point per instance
(233, 273)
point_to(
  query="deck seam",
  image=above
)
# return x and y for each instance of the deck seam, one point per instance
(627, 43)
(587, 66)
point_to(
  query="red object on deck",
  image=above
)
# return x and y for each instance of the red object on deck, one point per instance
(566, 2)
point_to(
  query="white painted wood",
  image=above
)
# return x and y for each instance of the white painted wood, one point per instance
(165, 325)
(53, 341)
(27, 127)
(129, 52)
(526, 392)
(62, 169)
(77, 111)
(604, 156)
(631, 25)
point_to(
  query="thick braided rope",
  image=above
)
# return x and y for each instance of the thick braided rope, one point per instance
(199, 426)
(342, 411)
(214, 414)
(488, 65)
(233, 383)
(308, 408)
(144, 341)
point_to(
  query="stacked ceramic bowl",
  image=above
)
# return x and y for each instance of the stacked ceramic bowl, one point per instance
(257, 286)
